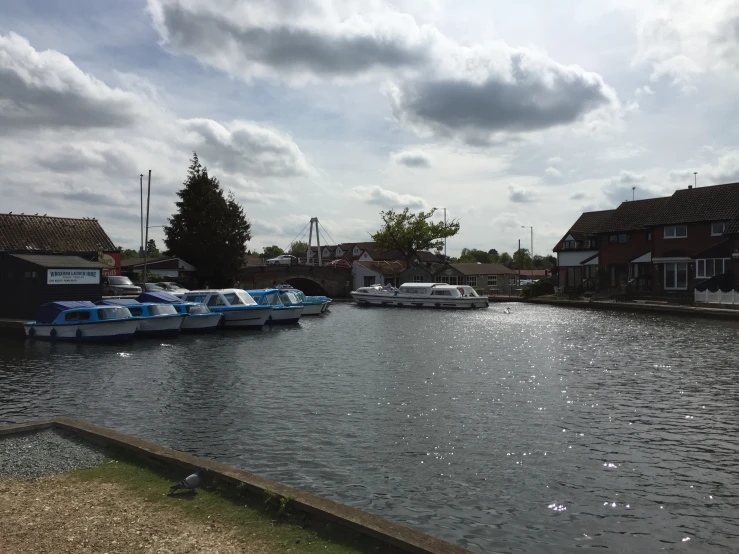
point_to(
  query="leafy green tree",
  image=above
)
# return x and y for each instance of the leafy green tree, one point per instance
(298, 248)
(505, 259)
(521, 259)
(544, 262)
(128, 253)
(271, 252)
(471, 256)
(151, 249)
(494, 253)
(209, 230)
(409, 233)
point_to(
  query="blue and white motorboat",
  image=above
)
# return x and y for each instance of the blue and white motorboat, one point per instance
(312, 305)
(239, 309)
(155, 320)
(284, 310)
(199, 318)
(81, 321)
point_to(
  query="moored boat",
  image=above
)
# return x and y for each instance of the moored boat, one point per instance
(238, 308)
(286, 308)
(155, 320)
(81, 321)
(312, 305)
(199, 319)
(420, 295)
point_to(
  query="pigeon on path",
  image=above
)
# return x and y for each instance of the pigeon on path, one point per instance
(191, 482)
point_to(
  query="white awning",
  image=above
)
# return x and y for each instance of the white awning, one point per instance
(672, 259)
(594, 261)
(644, 258)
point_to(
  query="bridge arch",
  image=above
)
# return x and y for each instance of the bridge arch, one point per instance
(308, 286)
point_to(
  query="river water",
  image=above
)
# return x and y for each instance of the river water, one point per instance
(542, 430)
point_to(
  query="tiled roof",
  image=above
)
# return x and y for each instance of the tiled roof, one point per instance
(69, 262)
(482, 269)
(632, 215)
(383, 267)
(39, 233)
(585, 226)
(715, 203)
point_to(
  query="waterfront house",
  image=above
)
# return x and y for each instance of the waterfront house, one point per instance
(577, 252)
(689, 237)
(625, 245)
(484, 278)
(379, 272)
(45, 258)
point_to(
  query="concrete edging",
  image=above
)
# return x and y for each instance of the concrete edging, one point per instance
(691, 311)
(378, 528)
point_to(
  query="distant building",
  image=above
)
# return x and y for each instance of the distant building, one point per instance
(46, 258)
(173, 268)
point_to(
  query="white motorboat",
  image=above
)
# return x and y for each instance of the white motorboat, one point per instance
(81, 321)
(239, 309)
(420, 295)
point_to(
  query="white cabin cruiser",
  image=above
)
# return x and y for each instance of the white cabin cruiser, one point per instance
(420, 295)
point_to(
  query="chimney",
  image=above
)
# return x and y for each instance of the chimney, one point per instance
(690, 187)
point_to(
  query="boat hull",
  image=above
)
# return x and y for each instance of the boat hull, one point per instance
(251, 318)
(201, 323)
(110, 330)
(285, 315)
(462, 303)
(160, 326)
(312, 309)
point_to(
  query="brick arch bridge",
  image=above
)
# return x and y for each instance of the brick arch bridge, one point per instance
(312, 280)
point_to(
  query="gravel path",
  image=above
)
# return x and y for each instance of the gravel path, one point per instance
(47, 452)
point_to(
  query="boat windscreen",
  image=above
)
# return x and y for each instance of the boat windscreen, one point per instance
(197, 309)
(162, 309)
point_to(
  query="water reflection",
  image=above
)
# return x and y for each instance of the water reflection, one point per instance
(541, 430)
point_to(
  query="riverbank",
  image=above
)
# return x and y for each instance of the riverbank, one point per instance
(94, 489)
(643, 307)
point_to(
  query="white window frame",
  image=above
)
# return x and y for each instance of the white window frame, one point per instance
(723, 224)
(366, 280)
(702, 265)
(492, 280)
(673, 285)
(418, 278)
(674, 229)
(471, 281)
(356, 251)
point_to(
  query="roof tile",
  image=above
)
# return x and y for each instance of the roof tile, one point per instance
(38, 233)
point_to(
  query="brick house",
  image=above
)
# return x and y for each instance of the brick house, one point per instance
(625, 245)
(689, 240)
(577, 251)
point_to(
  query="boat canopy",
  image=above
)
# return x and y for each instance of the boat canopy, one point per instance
(47, 312)
(160, 298)
(117, 302)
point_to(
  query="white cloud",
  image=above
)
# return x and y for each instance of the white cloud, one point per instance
(411, 158)
(388, 198)
(46, 89)
(555, 160)
(553, 172)
(521, 195)
(644, 91)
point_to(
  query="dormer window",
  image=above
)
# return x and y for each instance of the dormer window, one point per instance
(325, 252)
(570, 244)
(356, 251)
(339, 251)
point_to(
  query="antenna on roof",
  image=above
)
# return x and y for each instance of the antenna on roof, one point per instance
(695, 178)
(633, 190)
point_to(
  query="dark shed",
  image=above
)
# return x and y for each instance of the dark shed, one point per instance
(34, 279)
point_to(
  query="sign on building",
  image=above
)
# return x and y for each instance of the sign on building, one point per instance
(72, 276)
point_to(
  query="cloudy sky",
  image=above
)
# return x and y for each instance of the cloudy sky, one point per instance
(507, 114)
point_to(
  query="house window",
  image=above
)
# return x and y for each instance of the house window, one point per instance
(676, 231)
(418, 278)
(593, 243)
(369, 280)
(325, 252)
(710, 267)
(570, 244)
(676, 276)
(649, 236)
(30, 274)
(356, 251)
(339, 252)
(718, 228)
(620, 238)
(492, 280)
(471, 281)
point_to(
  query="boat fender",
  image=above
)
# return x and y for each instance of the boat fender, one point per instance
(31, 332)
(78, 334)
(52, 334)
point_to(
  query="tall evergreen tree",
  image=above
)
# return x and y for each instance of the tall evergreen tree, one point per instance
(209, 230)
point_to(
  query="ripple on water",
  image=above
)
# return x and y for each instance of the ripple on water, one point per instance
(544, 429)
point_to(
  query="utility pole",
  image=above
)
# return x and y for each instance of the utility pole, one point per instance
(444, 237)
(633, 192)
(531, 244)
(695, 178)
(146, 243)
(520, 263)
(141, 185)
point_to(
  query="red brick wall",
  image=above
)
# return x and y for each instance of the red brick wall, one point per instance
(699, 238)
(620, 254)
